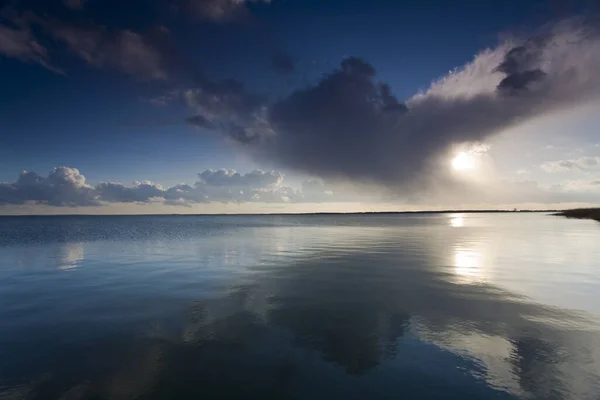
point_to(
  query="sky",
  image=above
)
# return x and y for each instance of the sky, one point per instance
(274, 106)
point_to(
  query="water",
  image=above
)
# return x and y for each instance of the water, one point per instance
(461, 306)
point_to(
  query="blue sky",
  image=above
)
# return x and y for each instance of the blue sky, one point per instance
(108, 88)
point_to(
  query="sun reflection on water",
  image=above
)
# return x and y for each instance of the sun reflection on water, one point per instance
(457, 221)
(468, 265)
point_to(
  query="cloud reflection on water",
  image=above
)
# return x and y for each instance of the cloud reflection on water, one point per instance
(361, 310)
(316, 312)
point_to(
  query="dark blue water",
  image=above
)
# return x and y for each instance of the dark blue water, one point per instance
(440, 306)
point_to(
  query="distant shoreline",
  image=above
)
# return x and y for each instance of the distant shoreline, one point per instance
(581, 213)
(557, 212)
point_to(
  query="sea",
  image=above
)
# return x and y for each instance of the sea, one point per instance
(364, 306)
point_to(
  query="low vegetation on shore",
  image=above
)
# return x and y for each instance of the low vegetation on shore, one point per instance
(582, 213)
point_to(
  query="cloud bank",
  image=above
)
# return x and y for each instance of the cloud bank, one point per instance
(65, 186)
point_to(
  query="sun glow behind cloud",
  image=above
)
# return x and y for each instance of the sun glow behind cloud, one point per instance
(464, 162)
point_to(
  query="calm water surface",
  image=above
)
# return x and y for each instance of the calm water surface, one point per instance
(447, 306)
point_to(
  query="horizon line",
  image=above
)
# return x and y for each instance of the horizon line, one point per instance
(450, 211)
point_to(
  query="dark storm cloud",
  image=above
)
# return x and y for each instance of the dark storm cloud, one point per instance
(351, 126)
(329, 128)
